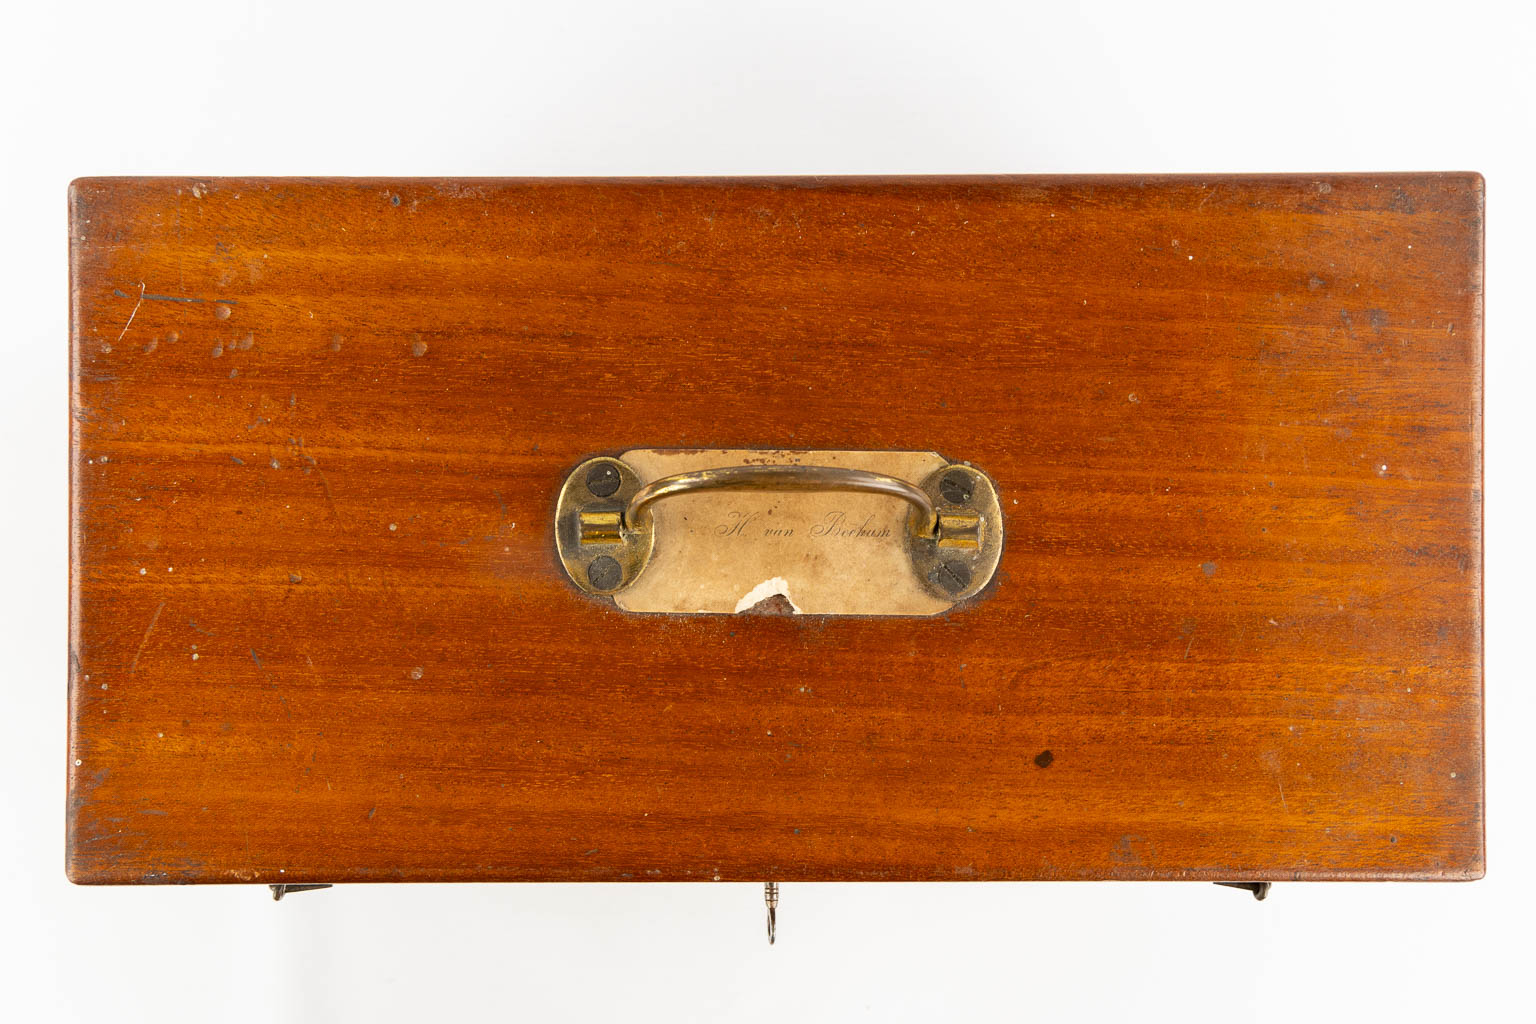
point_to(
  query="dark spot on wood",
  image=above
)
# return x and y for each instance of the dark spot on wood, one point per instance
(1131, 850)
(1209, 568)
(1044, 759)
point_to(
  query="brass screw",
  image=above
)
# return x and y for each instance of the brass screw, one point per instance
(604, 573)
(602, 480)
(952, 576)
(956, 488)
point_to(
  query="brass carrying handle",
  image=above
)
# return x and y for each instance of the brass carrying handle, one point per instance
(785, 478)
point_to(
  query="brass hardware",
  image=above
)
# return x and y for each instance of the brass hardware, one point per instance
(600, 556)
(602, 526)
(605, 528)
(771, 897)
(961, 558)
(784, 478)
(1260, 890)
(959, 530)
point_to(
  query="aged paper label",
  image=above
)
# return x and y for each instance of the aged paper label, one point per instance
(821, 552)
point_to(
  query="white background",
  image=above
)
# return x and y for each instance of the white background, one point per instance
(720, 88)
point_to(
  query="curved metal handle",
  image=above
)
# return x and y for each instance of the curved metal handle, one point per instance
(785, 478)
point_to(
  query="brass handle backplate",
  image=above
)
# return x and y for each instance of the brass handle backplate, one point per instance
(606, 531)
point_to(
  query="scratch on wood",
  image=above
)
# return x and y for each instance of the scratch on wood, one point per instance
(1349, 323)
(325, 485)
(1393, 594)
(134, 664)
(153, 297)
(1085, 655)
(135, 312)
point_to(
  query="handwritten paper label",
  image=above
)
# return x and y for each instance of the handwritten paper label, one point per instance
(811, 552)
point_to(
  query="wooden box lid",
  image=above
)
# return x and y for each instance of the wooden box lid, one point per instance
(320, 632)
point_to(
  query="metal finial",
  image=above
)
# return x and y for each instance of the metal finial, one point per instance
(1259, 889)
(279, 891)
(771, 897)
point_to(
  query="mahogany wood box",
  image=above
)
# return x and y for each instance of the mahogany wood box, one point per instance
(320, 629)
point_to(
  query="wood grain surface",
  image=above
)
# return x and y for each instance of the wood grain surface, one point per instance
(319, 631)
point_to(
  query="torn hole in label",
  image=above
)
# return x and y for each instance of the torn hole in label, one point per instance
(765, 594)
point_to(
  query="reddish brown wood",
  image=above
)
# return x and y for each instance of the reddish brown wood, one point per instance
(320, 633)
